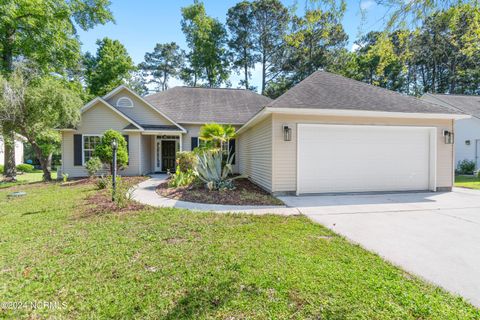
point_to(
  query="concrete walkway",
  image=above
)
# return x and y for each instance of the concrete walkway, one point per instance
(145, 193)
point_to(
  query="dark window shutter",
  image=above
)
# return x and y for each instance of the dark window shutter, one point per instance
(128, 147)
(231, 145)
(77, 150)
(194, 142)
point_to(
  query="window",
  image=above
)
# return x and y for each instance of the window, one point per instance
(124, 102)
(89, 144)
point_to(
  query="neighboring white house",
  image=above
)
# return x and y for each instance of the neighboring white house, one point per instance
(18, 151)
(467, 131)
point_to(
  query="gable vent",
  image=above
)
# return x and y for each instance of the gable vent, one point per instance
(124, 102)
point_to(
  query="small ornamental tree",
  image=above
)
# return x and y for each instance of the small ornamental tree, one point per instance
(216, 135)
(105, 153)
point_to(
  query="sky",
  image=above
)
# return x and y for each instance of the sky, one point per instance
(140, 24)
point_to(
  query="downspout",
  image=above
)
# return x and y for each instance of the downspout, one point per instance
(453, 154)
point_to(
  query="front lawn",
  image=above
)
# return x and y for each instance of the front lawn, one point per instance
(176, 264)
(469, 182)
(25, 178)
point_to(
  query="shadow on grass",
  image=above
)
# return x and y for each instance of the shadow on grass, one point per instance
(202, 300)
(47, 210)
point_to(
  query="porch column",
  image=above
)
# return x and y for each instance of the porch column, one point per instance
(180, 138)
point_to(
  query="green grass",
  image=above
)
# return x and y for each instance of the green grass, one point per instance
(26, 178)
(174, 264)
(467, 182)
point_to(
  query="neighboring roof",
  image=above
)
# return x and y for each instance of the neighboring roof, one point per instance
(465, 103)
(202, 105)
(324, 90)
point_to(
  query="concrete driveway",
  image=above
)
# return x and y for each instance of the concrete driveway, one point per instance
(433, 235)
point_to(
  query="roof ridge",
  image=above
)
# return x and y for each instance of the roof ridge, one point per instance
(453, 95)
(216, 88)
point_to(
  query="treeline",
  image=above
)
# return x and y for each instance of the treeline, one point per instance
(441, 55)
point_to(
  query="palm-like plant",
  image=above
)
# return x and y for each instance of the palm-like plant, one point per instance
(216, 135)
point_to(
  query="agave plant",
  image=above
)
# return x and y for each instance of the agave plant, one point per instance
(211, 170)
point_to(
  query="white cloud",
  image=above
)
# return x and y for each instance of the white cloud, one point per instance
(355, 47)
(366, 4)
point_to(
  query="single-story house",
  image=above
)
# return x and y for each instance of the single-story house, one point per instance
(327, 134)
(467, 131)
(18, 150)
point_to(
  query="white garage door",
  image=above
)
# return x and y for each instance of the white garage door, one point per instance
(355, 158)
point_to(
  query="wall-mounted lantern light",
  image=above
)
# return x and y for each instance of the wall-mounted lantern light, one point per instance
(448, 135)
(467, 142)
(287, 133)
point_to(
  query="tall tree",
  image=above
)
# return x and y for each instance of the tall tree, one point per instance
(40, 105)
(206, 37)
(109, 68)
(270, 20)
(43, 31)
(403, 12)
(163, 63)
(315, 40)
(242, 40)
(441, 56)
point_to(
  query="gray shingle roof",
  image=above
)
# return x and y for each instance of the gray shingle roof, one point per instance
(467, 104)
(324, 90)
(155, 127)
(202, 105)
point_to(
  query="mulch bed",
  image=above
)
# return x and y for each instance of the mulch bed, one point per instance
(245, 193)
(101, 201)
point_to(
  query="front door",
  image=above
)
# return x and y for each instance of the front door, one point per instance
(168, 155)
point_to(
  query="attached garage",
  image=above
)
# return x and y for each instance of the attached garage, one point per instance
(363, 158)
(331, 134)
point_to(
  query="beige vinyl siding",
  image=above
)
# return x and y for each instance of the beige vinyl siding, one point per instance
(193, 130)
(96, 120)
(141, 112)
(255, 153)
(146, 154)
(285, 152)
(135, 155)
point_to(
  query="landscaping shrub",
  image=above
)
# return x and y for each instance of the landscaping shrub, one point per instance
(93, 165)
(103, 182)
(212, 170)
(65, 177)
(1, 168)
(104, 149)
(466, 167)
(123, 194)
(186, 160)
(182, 179)
(25, 167)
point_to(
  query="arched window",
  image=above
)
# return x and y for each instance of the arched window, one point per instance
(124, 102)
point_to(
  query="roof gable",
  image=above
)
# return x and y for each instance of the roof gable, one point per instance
(100, 101)
(142, 111)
